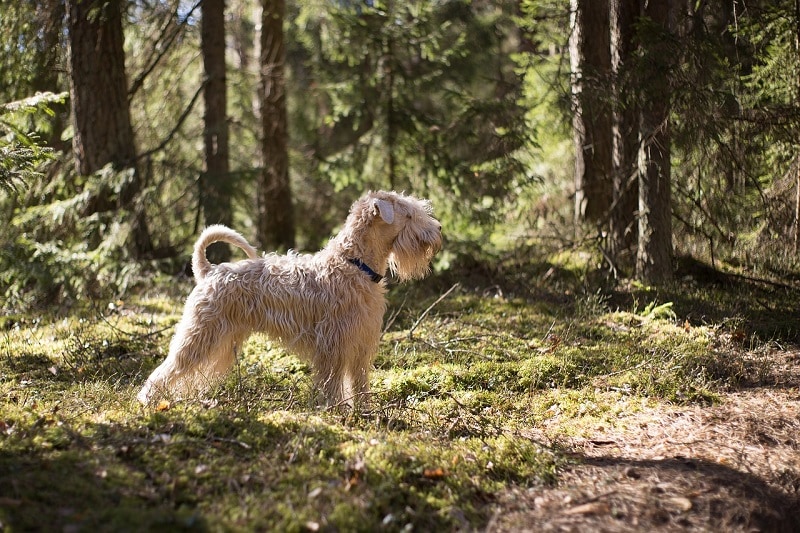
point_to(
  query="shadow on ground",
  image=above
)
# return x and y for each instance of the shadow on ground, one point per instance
(612, 493)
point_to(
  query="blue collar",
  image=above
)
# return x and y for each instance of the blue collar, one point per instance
(374, 276)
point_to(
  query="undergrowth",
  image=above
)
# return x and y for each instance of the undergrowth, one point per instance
(458, 397)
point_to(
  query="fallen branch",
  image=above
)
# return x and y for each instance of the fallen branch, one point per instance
(426, 311)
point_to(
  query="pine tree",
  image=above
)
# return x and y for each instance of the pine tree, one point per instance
(419, 95)
(590, 57)
(215, 181)
(654, 251)
(103, 133)
(275, 211)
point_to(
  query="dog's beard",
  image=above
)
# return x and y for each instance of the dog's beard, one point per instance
(411, 257)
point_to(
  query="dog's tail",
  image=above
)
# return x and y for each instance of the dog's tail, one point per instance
(217, 233)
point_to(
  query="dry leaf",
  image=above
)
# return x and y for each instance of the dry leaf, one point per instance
(352, 481)
(433, 473)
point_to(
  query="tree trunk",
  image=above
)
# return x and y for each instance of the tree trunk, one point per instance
(622, 223)
(99, 87)
(797, 207)
(100, 114)
(215, 182)
(50, 19)
(590, 60)
(797, 191)
(275, 215)
(654, 255)
(391, 115)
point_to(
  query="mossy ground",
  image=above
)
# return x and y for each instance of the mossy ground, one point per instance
(476, 399)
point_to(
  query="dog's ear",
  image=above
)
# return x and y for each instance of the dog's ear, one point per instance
(383, 208)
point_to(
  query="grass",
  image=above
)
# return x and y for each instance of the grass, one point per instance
(454, 406)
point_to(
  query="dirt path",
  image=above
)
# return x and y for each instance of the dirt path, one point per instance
(734, 466)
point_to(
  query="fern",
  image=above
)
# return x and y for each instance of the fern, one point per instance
(20, 152)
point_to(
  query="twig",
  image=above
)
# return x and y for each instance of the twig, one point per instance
(232, 441)
(599, 497)
(178, 125)
(165, 44)
(426, 311)
(131, 334)
(471, 338)
(394, 316)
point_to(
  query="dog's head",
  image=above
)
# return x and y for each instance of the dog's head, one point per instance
(406, 227)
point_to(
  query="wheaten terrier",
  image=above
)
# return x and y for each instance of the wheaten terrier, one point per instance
(327, 307)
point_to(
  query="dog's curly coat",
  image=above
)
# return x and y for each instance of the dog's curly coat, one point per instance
(327, 307)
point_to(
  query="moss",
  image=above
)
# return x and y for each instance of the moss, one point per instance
(451, 420)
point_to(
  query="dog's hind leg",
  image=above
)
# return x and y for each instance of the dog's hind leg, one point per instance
(223, 355)
(197, 354)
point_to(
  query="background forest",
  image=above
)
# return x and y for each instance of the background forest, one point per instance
(642, 134)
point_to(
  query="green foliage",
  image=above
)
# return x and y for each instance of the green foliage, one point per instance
(54, 254)
(17, 164)
(21, 155)
(28, 43)
(771, 34)
(67, 239)
(658, 311)
(465, 103)
(734, 109)
(420, 96)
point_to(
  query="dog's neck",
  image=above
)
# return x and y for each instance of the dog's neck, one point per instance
(372, 261)
(374, 276)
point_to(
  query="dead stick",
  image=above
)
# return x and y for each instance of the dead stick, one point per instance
(425, 312)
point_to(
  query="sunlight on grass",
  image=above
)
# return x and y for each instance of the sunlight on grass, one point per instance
(474, 401)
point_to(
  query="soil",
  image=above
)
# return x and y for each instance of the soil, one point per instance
(732, 466)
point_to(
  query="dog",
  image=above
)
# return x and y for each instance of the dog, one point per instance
(325, 307)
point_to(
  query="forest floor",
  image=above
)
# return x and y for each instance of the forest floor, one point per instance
(733, 466)
(524, 399)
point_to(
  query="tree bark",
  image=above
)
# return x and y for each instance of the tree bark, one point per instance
(50, 18)
(622, 224)
(215, 182)
(391, 112)
(99, 87)
(590, 60)
(654, 254)
(101, 118)
(797, 190)
(275, 214)
(797, 207)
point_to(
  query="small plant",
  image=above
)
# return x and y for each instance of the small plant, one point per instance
(656, 311)
(21, 155)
